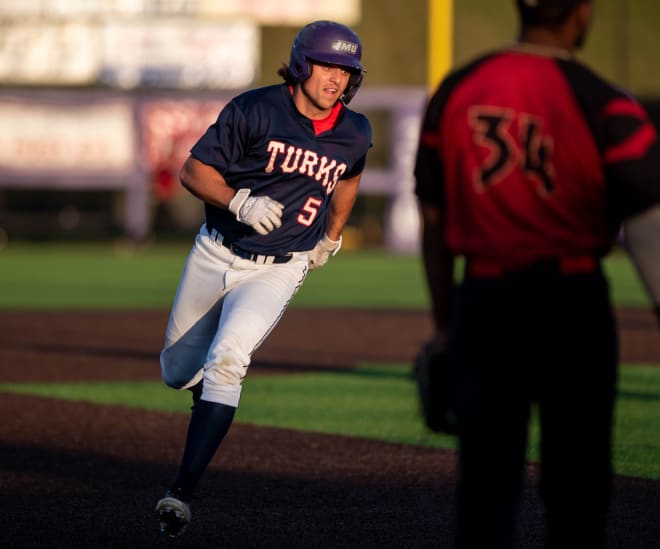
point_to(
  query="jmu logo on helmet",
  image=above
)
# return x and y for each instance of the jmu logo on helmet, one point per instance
(344, 46)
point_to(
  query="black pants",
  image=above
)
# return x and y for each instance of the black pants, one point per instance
(534, 336)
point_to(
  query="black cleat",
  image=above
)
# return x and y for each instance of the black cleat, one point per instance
(174, 515)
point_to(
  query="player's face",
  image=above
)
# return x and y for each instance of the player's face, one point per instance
(322, 90)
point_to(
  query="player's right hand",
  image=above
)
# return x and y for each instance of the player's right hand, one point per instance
(262, 213)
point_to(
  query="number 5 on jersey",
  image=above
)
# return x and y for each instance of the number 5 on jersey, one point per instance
(311, 210)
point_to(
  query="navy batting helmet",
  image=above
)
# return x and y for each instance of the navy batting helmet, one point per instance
(327, 42)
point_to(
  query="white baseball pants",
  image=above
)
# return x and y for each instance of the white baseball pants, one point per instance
(224, 308)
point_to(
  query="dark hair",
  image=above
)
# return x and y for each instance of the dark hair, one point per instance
(286, 75)
(546, 12)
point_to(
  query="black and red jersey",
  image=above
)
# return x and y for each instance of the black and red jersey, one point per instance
(534, 156)
(261, 142)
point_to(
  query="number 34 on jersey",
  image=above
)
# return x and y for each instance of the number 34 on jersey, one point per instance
(511, 140)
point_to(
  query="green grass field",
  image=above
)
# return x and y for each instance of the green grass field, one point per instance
(375, 401)
(123, 276)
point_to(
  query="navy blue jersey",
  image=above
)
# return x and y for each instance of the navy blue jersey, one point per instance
(261, 142)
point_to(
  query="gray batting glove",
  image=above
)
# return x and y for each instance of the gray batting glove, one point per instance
(324, 249)
(262, 213)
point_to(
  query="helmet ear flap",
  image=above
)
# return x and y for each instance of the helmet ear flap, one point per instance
(299, 66)
(303, 69)
(354, 82)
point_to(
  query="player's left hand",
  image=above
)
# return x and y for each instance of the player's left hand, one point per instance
(431, 372)
(324, 249)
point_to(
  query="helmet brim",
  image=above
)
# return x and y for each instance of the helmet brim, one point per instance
(340, 60)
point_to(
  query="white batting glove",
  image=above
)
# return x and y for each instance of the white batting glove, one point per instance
(262, 213)
(324, 249)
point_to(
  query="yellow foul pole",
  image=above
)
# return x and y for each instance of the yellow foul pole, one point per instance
(440, 40)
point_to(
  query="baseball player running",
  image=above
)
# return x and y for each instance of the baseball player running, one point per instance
(278, 172)
(528, 163)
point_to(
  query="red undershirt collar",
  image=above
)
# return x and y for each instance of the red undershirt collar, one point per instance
(327, 123)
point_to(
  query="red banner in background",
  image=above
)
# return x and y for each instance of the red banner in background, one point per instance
(169, 129)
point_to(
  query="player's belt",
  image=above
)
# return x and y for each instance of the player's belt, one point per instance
(257, 258)
(250, 256)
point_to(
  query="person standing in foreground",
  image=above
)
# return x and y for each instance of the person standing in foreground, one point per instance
(278, 173)
(527, 165)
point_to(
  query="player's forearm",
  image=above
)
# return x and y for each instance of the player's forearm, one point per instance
(439, 275)
(438, 267)
(343, 200)
(206, 183)
(641, 238)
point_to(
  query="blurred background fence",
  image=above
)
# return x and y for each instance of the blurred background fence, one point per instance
(89, 163)
(101, 100)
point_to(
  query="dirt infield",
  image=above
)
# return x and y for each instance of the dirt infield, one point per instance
(82, 475)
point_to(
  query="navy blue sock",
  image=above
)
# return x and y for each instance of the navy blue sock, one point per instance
(196, 391)
(209, 424)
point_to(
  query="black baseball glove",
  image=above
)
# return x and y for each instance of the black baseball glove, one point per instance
(432, 377)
